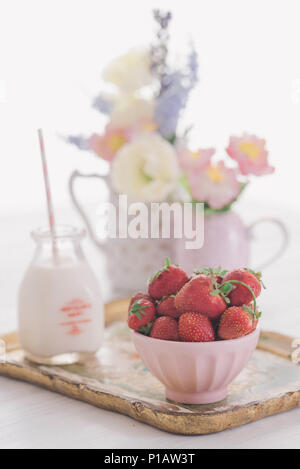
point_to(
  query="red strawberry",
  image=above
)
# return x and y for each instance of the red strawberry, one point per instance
(138, 296)
(240, 295)
(141, 314)
(196, 297)
(167, 307)
(195, 327)
(165, 328)
(236, 322)
(167, 281)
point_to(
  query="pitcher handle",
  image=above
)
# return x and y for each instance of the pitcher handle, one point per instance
(74, 176)
(284, 243)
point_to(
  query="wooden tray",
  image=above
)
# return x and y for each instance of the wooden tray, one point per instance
(117, 380)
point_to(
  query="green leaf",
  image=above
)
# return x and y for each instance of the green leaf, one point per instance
(187, 130)
(223, 273)
(151, 279)
(258, 275)
(250, 310)
(218, 272)
(208, 210)
(201, 271)
(226, 289)
(247, 308)
(183, 181)
(138, 310)
(145, 329)
(156, 275)
(215, 292)
(172, 139)
(262, 284)
(160, 271)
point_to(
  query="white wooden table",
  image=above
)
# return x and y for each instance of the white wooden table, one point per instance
(35, 418)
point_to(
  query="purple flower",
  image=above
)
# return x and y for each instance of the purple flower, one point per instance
(79, 141)
(168, 106)
(159, 50)
(174, 94)
(103, 104)
(162, 18)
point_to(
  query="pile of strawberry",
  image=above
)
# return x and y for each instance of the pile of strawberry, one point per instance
(213, 304)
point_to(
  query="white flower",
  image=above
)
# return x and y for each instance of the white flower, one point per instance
(130, 71)
(129, 111)
(146, 169)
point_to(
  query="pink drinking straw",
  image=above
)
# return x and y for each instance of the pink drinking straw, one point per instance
(48, 193)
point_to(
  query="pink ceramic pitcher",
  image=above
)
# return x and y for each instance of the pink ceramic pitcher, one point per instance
(130, 262)
(226, 243)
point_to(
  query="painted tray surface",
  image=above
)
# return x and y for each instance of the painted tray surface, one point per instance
(117, 380)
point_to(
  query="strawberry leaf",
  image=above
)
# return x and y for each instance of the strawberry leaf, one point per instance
(151, 279)
(256, 315)
(218, 272)
(138, 310)
(258, 275)
(201, 271)
(223, 273)
(248, 309)
(227, 288)
(160, 271)
(145, 329)
(262, 284)
(215, 292)
(239, 282)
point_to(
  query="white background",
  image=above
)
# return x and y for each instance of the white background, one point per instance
(52, 54)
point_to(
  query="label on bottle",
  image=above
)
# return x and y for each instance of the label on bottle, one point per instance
(76, 313)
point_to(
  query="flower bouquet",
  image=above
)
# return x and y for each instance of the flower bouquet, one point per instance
(150, 160)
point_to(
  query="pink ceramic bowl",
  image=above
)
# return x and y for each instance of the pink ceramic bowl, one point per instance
(195, 372)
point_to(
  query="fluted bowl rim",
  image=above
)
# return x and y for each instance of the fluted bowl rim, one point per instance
(215, 343)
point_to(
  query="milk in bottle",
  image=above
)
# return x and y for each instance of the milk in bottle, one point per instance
(60, 306)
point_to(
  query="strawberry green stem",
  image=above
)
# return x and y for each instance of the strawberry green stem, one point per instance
(245, 285)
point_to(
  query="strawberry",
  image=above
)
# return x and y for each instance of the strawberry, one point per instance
(196, 296)
(165, 328)
(195, 327)
(167, 307)
(138, 296)
(237, 321)
(240, 295)
(141, 314)
(167, 281)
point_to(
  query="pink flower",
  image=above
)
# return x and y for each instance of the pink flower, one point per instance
(250, 153)
(109, 144)
(216, 185)
(195, 160)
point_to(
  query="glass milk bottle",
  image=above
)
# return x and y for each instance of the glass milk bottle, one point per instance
(60, 306)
